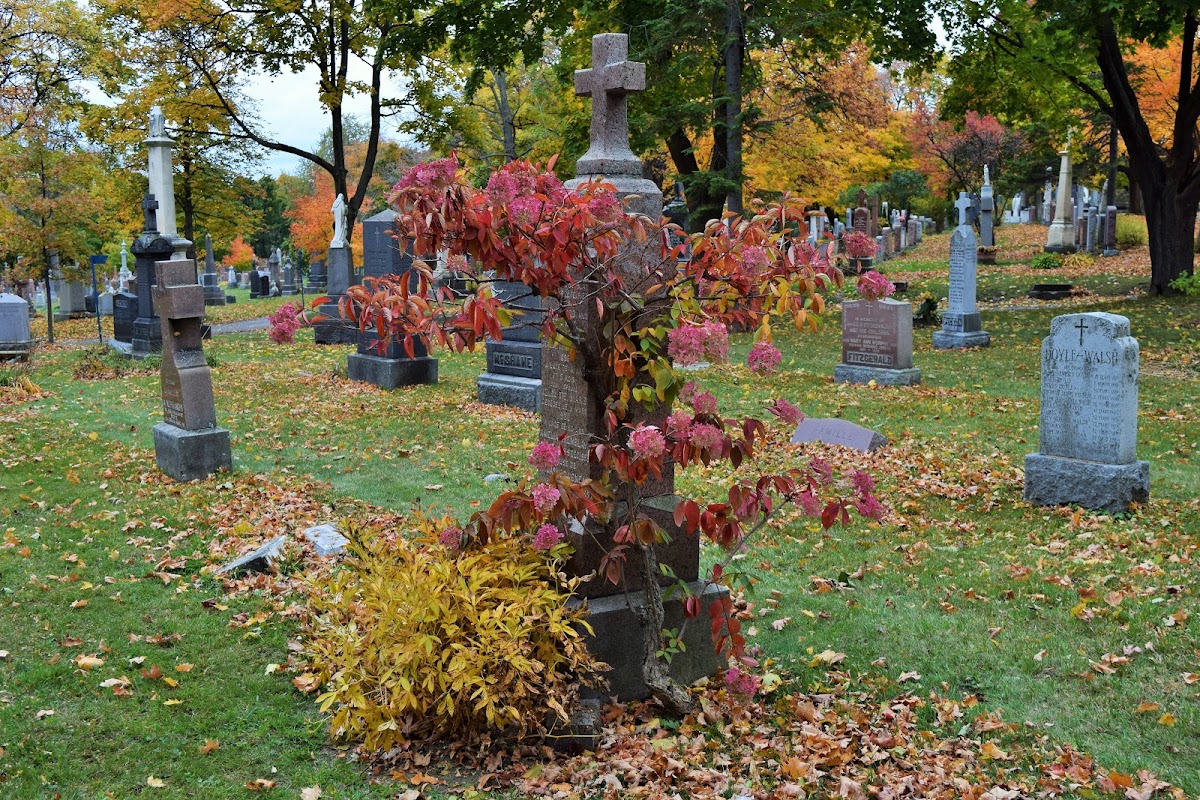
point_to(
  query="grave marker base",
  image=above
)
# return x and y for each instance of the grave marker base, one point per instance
(391, 373)
(617, 640)
(191, 455)
(1056, 481)
(948, 340)
(849, 373)
(510, 390)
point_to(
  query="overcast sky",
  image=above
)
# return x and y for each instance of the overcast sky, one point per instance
(292, 114)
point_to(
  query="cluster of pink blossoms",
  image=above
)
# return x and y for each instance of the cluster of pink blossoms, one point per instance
(545, 497)
(742, 684)
(691, 344)
(873, 286)
(786, 411)
(764, 358)
(546, 537)
(430, 175)
(284, 324)
(647, 442)
(545, 455)
(451, 538)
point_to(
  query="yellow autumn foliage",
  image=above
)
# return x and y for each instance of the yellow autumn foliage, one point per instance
(412, 641)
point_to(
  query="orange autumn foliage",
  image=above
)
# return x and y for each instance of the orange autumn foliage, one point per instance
(241, 255)
(312, 221)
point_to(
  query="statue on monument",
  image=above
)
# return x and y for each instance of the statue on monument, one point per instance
(339, 222)
(158, 122)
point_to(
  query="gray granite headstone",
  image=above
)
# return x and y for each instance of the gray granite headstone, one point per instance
(260, 560)
(125, 311)
(514, 363)
(961, 326)
(877, 343)
(1110, 231)
(1087, 452)
(382, 253)
(326, 539)
(838, 431)
(15, 340)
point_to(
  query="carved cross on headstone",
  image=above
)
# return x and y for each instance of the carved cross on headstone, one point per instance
(609, 82)
(1081, 328)
(862, 198)
(962, 204)
(149, 207)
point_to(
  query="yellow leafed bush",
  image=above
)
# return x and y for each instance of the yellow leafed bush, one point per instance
(1078, 260)
(1131, 231)
(413, 641)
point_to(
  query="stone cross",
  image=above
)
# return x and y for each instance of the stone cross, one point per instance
(149, 210)
(962, 204)
(609, 82)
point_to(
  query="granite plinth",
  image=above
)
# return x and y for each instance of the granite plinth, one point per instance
(1051, 291)
(146, 337)
(191, 455)
(17, 350)
(850, 373)
(953, 340)
(391, 373)
(617, 640)
(510, 390)
(333, 329)
(1054, 481)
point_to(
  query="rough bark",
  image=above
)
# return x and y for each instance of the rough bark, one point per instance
(508, 127)
(674, 699)
(702, 205)
(735, 57)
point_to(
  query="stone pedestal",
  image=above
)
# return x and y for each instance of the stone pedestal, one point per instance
(317, 281)
(961, 331)
(393, 368)
(72, 300)
(341, 276)
(191, 455)
(1087, 450)
(214, 295)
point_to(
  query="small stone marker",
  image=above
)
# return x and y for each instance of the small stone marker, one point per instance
(15, 341)
(125, 311)
(877, 343)
(260, 560)
(188, 445)
(1110, 231)
(838, 431)
(1087, 452)
(961, 326)
(326, 539)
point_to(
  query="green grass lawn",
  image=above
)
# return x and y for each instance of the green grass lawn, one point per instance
(1065, 622)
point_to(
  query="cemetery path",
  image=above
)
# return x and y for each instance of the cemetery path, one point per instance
(240, 326)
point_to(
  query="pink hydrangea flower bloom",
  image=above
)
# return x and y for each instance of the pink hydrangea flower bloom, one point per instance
(786, 412)
(451, 538)
(545, 497)
(546, 537)
(704, 403)
(545, 455)
(647, 442)
(764, 358)
(705, 436)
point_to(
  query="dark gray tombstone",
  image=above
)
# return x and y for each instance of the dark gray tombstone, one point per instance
(125, 311)
(214, 295)
(1087, 453)
(188, 445)
(382, 253)
(317, 282)
(514, 364)
(1110, 231)
(148, 249)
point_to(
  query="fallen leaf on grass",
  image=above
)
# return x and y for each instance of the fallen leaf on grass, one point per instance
(1191, 677)
(311, 793)
(260, 785)
(183, 668)
(909, 676)
(1167, 719)
(1146, 708)
(156, 783)
(45, 712)
(209, 746)
(153, 673)
(272, 668)
(79, 604)
(307, 682)
(826, 658)
(3, 654)
(88, 662)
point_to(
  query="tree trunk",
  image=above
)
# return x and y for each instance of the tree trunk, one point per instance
(508, 127)
(1171, 225)
(735, 48)
(675, 700)
(702, 206)
(49, 310)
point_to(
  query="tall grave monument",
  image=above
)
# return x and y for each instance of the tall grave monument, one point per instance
(339, 276)
(1087, 453)
(569, 405)
(162, 183)
(961, 326)
(987, 211)
(188, 445)
(148, 249)
(1061, 236)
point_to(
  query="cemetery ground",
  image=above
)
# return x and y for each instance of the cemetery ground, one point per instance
(1021, 637)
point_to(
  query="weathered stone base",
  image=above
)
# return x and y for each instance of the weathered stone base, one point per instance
(333, 329)
(289, 292)
(510, 390)
(391, 373)
(191, 455)
(1054, 481)
(851, 373)
(147, 338)
(230, 299)
(17, 350)
(617, 641)
(1110, 253)
(1059, 248)
(950, 340)
(216, 300)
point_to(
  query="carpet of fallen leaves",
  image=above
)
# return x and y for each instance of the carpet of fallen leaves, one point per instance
(840, 742)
